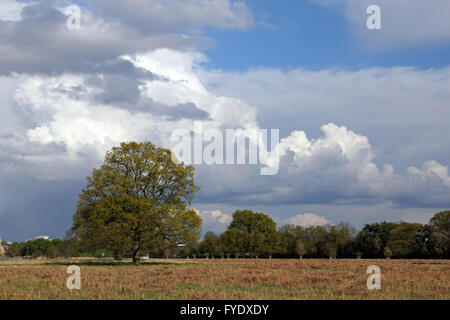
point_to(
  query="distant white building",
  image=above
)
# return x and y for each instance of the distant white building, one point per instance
(42, 237)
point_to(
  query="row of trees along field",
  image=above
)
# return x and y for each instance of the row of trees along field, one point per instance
(255, 235)
(68, 247)
(139, 201)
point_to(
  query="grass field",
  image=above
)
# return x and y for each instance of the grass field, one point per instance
(225, 279)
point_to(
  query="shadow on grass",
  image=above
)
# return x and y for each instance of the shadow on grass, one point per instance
(115, 263)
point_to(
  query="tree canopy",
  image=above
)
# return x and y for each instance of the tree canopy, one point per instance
(373, 238)
(252, 233)
(402, 240)
(139, 199)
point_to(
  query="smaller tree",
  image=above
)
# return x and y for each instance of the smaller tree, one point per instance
(371, 240)
(52, 252)
(36, 254)
(252, 233)
(330, 250)
(211, 244)
(300, 249)
(403, 242)
(387, 253)
(436, 237)
(441, 222)
(14, 250)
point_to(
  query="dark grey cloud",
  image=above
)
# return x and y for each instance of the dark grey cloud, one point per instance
(39, 186)
(41, 43)
(117, 88)
(31, 207)
(118, 81)
(178, 112)
(123, 91)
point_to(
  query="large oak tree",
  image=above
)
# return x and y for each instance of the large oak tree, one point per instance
(138, 200)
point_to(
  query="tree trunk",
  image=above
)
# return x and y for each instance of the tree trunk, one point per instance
(136, 257)
(117, 255)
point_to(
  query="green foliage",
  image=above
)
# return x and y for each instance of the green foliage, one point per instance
(387, 252)
(434, 238)
(402, 240)
(43, 247)
(316, 238)
(345, 243)
(251, 233)
(288, 240)
(52, 252)
(372, 239)
(14, 250)
(138, 200)
(300, 248)
(233, 241)
(440, 222)
(254, 234)
(211, 244)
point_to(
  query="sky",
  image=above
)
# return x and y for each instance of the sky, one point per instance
(362, 114)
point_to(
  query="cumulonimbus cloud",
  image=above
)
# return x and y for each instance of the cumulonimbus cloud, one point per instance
(339, 166)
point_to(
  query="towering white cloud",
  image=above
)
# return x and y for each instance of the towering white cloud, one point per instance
(337, 166)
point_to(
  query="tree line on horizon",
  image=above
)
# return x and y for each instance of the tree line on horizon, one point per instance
(139, 202)
(255, 235)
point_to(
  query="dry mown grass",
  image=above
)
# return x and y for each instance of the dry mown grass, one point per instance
(226, 279)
